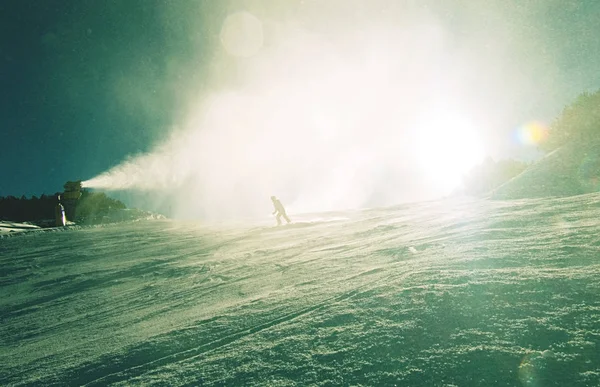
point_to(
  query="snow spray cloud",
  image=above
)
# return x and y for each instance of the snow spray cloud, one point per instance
(325, 117)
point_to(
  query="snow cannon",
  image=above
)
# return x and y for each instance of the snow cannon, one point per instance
(59, 213)
(70, 198)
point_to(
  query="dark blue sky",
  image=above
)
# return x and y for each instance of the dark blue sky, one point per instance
(85, 84)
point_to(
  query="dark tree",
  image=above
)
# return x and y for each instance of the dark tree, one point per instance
(579, 121)
(93, 206)
(90, 208)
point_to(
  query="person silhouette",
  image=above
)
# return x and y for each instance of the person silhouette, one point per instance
(279, 210)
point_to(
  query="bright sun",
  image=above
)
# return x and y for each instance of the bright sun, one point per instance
(446, 148)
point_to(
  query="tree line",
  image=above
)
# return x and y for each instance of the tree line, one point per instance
(578, 122)
(91, 206)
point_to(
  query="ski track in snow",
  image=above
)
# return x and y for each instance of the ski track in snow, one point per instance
(438, 293)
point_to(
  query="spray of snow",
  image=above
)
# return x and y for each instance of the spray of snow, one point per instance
(322, 124)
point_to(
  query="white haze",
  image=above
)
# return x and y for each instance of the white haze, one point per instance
(371, 117)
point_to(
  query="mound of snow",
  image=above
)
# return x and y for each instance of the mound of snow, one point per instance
(7, 227)
(570, 170)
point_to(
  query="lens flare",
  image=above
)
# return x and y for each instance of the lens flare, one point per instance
(532, 133)
(534, 367)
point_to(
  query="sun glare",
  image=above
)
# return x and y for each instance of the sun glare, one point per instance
(446, 149)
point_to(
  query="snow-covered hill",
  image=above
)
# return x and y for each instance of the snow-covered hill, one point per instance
(454, 293)
(572, 169)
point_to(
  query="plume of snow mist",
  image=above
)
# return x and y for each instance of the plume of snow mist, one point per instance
(161, 169)
(323, 124)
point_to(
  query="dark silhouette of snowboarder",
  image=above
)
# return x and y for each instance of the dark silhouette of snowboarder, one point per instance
(279, 210)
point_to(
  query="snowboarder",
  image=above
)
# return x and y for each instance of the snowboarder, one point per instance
(279, 210)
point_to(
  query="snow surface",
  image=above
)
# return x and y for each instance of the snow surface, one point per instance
(453, 293)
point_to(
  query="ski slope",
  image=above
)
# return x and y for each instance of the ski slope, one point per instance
(448, 293)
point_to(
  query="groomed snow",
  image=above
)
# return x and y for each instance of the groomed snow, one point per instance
(455, 293)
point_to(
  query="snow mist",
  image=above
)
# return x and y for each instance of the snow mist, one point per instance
(357, 119)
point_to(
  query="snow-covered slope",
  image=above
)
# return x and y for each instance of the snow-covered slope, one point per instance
(573, 169)
(454, 293)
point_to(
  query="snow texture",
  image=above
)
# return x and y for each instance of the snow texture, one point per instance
(451, 293)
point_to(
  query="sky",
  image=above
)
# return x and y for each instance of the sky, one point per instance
(327, 104)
